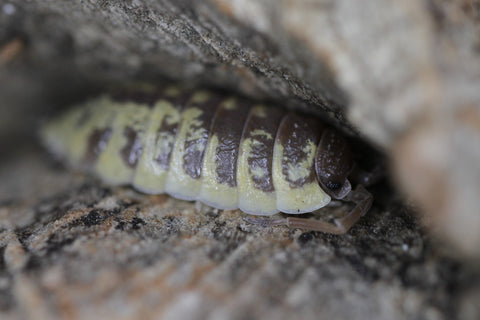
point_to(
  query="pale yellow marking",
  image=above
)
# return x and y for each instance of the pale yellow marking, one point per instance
(179, 184)
(261, 132)
(258, 172)
(302, 169)
(251, 199)
(149, 176)
(255, 171)
(110, 165)
(65, 138)
(303, 199)
(229, 104)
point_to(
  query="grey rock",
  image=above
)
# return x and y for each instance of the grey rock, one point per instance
(401, 75)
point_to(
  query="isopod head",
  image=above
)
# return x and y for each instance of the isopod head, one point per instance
(333, 164)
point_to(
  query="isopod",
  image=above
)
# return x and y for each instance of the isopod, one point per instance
(226, 152)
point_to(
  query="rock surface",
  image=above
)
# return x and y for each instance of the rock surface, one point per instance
(74, 248)
(403, 75)
(411, 72)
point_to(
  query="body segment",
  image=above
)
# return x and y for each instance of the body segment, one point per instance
(256, 192)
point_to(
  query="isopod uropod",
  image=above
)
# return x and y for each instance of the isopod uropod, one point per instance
(226, 152)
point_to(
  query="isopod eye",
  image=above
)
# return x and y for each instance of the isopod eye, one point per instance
(333, 185)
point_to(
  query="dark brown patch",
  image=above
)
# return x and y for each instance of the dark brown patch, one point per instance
(333, 161)
(132, 150)
(294, 134)
(262, 151)
(97, 142)
(193, 157)
(179, 102)
(228, 128)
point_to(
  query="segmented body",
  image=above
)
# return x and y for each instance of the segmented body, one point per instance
(226, 152)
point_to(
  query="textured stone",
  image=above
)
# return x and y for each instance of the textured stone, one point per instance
(394, 72)
(79, 249)
(402, 75)
(411, 71)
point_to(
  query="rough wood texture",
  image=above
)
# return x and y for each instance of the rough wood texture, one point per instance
(402, 74)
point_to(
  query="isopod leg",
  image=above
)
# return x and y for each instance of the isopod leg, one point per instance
(301, 223)
(363, 200)
(360, 196)
(266, 222)
(316, 225)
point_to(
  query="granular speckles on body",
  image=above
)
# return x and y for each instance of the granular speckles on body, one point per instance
(226, 152)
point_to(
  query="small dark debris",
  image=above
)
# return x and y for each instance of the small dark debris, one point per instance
(219, 229)
(92, 218)
(95, 216)
(23, 234)
(213, 213)
(136, 222)
(240, 228)
(305, 237)
(120, 225)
